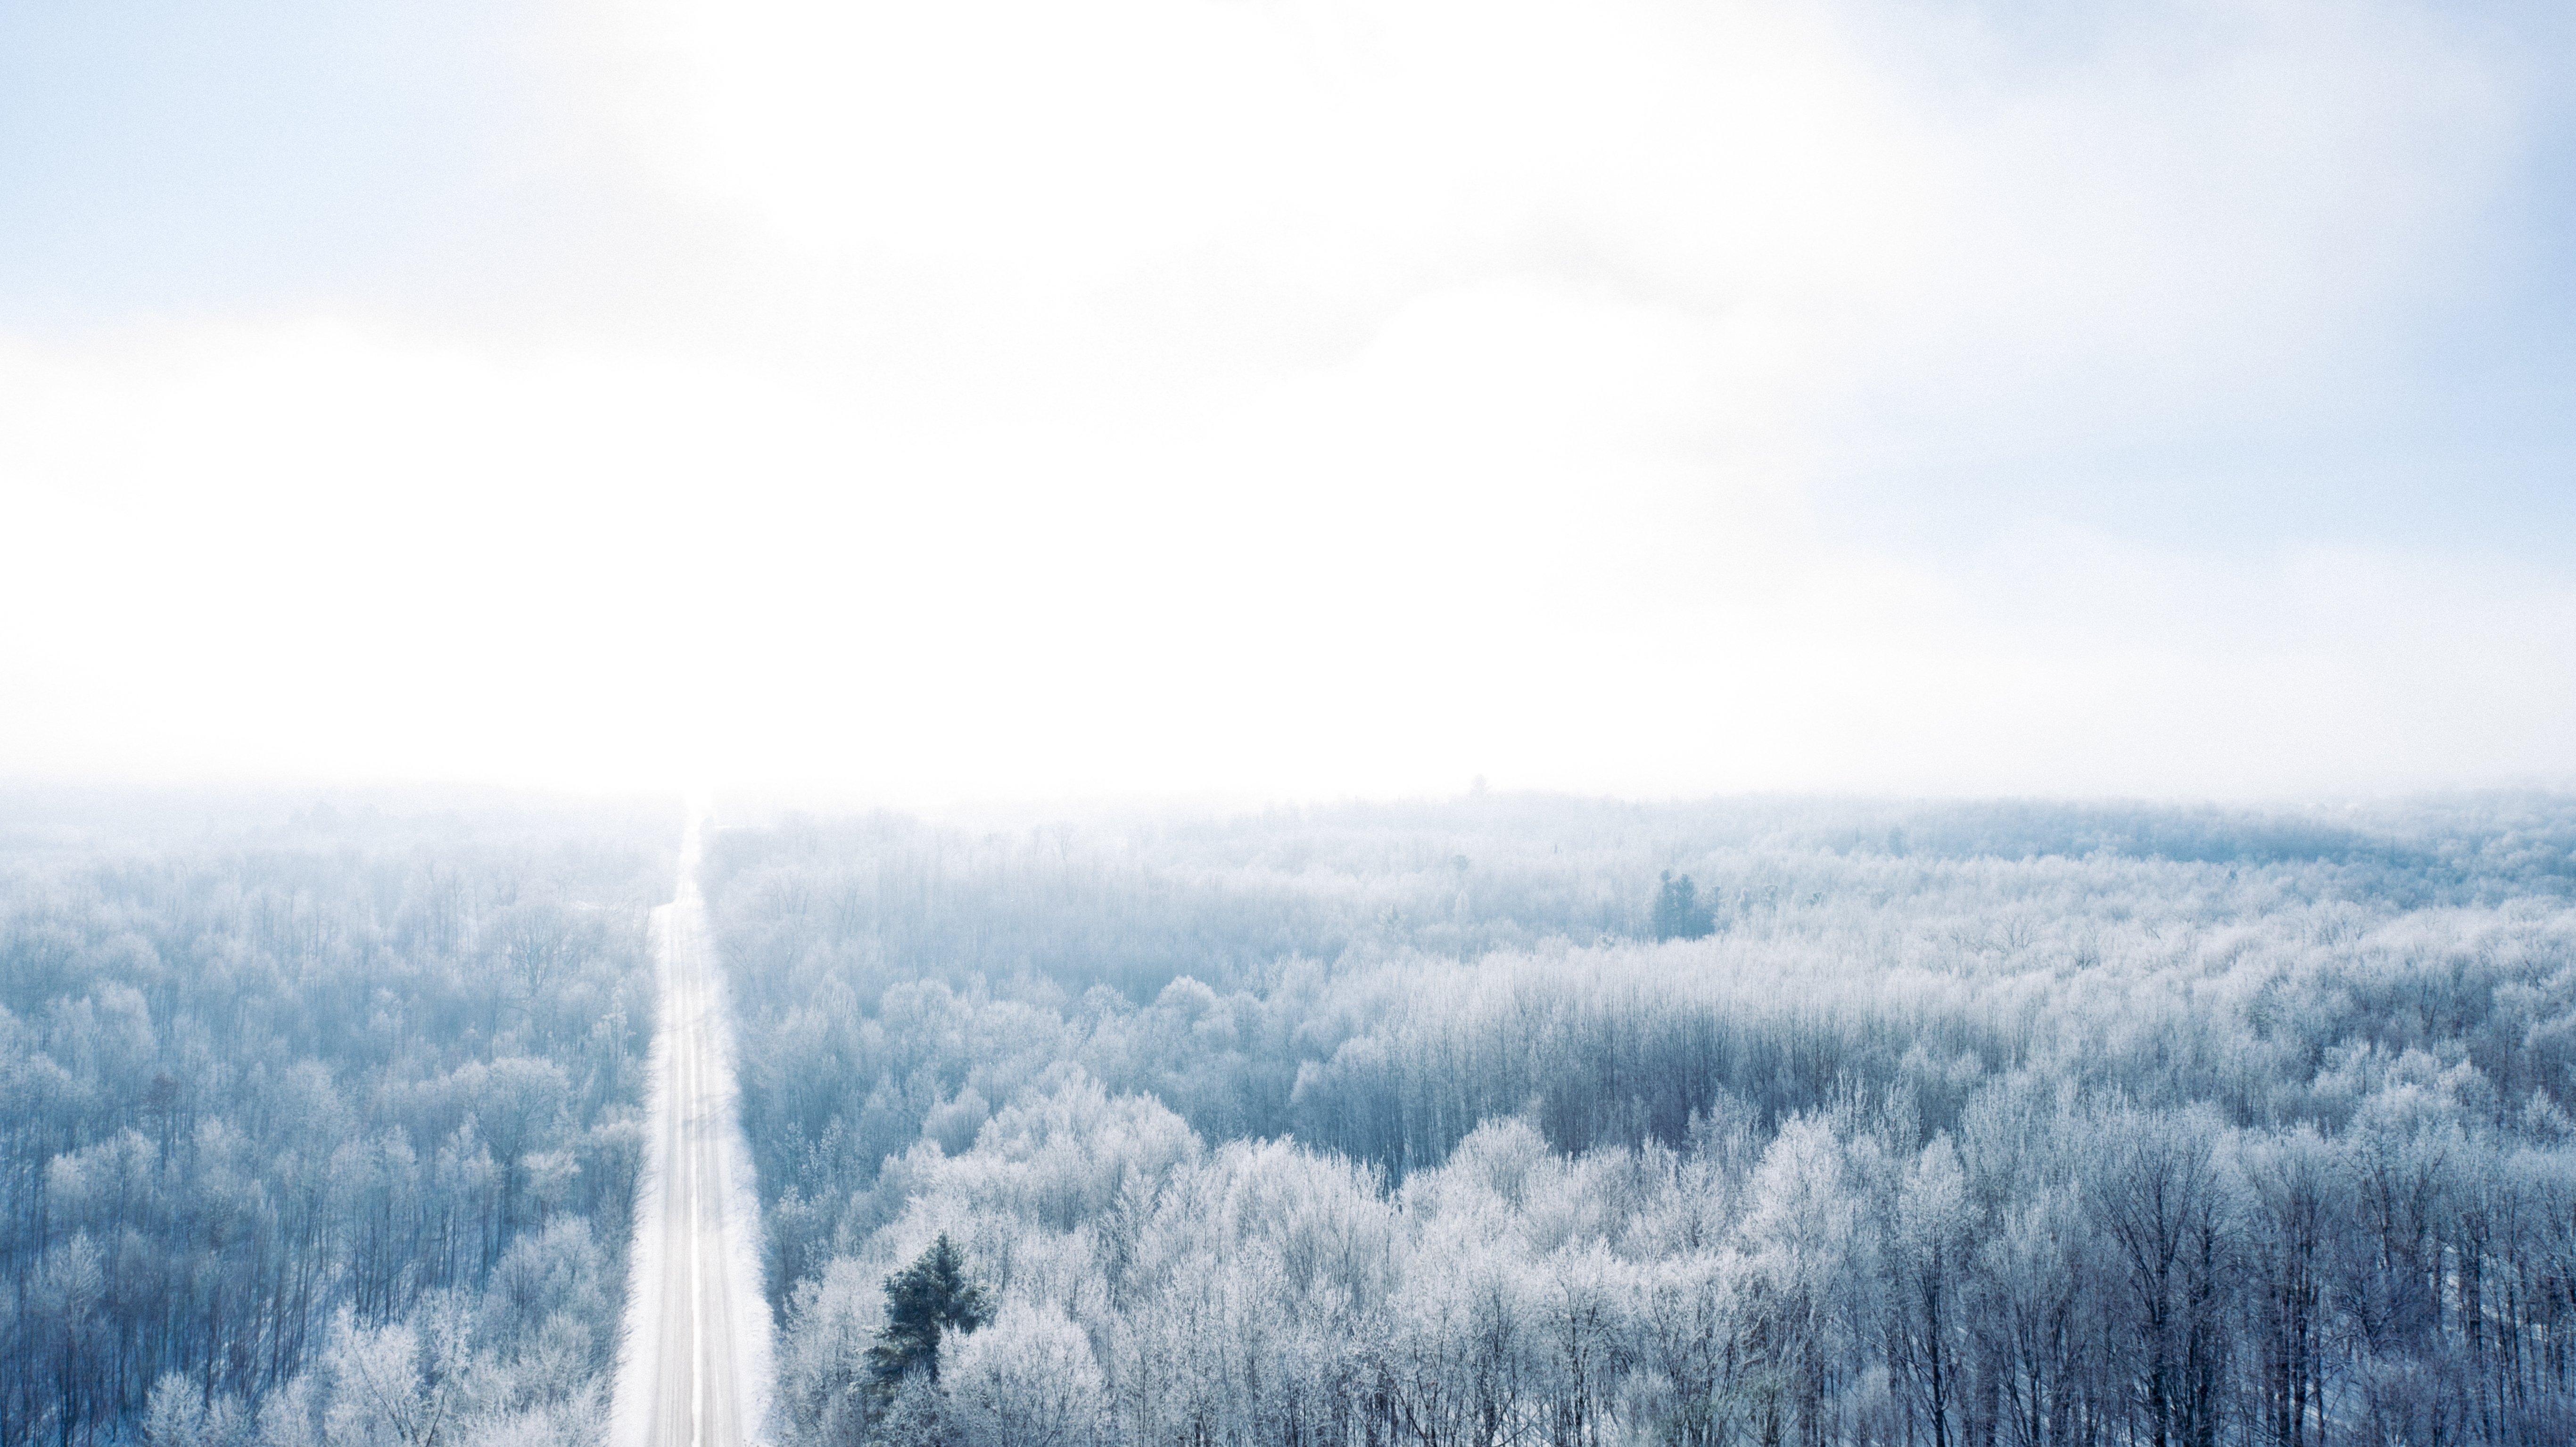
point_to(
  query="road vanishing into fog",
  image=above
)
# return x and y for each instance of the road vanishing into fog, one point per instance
(694, 1366)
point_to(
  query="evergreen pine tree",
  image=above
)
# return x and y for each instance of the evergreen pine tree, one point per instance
(924, 1301)
(1678, 913)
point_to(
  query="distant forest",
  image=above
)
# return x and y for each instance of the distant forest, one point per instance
(1488, 1122)
(1528, 1120)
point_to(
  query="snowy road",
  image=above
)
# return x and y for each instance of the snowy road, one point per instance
(694, 1370)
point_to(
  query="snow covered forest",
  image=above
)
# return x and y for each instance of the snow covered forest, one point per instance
(1492, 1122)
(321, 1128)
(2008, 1124)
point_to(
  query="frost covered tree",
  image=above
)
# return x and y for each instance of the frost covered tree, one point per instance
(1029, 1379)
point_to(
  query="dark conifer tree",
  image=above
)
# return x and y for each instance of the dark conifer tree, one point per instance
(924, 1301)
(1679, 915)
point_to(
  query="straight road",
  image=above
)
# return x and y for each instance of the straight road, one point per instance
(695, 1364)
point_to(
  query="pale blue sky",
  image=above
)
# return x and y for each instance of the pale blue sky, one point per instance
(191, 157)
(1932, 376)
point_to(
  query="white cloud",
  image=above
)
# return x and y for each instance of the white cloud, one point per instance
(1308, 398)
